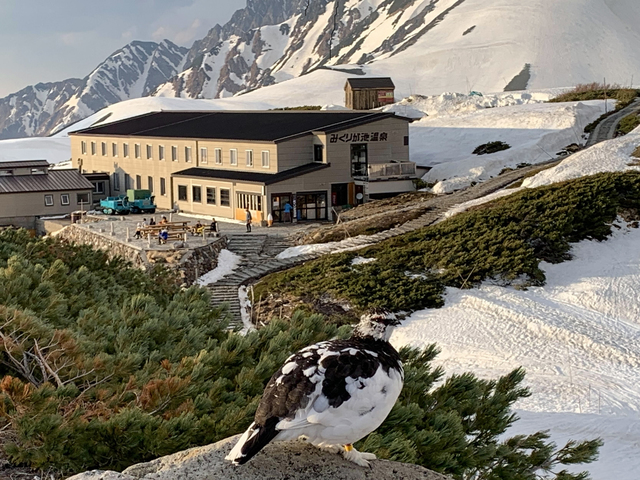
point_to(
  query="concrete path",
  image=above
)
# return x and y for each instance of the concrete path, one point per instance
(606, 130)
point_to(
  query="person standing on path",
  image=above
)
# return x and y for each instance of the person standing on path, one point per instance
(287, 212)
(248, 219)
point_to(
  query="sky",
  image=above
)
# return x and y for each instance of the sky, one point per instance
(45, 40)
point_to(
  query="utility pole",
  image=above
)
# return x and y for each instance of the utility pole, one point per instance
(605, 95)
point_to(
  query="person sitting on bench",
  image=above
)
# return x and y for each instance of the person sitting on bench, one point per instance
(163, 236)
(138, 233)
(198, 229)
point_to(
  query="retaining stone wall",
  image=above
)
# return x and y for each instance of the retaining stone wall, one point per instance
(189, 263)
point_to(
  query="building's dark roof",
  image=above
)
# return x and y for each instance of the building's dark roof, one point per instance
(96, 176)
(23, 164)
(54, 181)
(364, 82)
(251, 177)
(268, 126)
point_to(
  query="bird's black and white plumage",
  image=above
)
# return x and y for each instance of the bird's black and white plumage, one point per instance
(332, 393)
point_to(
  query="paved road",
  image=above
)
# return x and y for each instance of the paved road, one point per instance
(606, 130)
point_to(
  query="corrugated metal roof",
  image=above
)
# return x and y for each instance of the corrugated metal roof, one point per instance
(23, 164)
(54, 181)
(379, 82)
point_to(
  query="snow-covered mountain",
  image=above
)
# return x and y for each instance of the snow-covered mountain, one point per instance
(426, 46)
(134, 71)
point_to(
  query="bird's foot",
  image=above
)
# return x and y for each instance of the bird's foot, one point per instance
(331, 448)
(359, 458)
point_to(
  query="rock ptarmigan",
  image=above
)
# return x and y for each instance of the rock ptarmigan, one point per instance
(331, 394)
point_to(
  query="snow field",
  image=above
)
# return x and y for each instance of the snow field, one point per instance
(535, 132)
(578, 338)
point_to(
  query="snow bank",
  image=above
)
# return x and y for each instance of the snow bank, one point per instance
(610, 156)
(54, 150)
(227, 263)
(578, 337)
(536, 132)
(354, 243)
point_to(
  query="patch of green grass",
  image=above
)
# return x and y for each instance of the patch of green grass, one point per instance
(598, 91)
(504, 240)
(629, 123)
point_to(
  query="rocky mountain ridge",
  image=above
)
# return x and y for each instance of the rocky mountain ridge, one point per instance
(134, 71)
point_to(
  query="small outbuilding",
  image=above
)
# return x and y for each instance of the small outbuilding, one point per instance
(368, 93)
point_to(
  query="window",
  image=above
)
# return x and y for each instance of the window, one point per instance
(265, 159)
(182, 192)
(359, 159)
(48, 200)
(233, 156)
(211, 196)
(116, 181)
(64, 199)
(150, 184)
(98, 187)
(203, 155)
(250, 201)
(125, 149)
(196, 194)
(103, 148)
(149, 152)
(6, 173)
(218, 156)
(83, 147)
(93, 148)
(187, 154)
(163, 186)
(127, 181)
(114, 149)
(249, 157)
(225, 197)
(318, 153)
(138, 182)
(161, 152)
(136, 150)
(38, 171)
(83, 198)
(406, 139)
(174, 153)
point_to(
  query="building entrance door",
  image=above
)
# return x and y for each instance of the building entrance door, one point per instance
(311, 206)
(339, 194)
(279, 207)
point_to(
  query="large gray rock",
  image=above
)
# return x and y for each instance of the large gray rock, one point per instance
(278, 461)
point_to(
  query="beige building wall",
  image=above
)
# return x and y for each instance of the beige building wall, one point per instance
(217, 210)
(241, 148)
(32, 204)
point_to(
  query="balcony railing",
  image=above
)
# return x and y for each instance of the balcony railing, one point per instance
(386, 171)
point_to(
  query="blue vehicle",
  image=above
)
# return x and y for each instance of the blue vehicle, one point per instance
(140, 201)
(115, 205)
(135, 201)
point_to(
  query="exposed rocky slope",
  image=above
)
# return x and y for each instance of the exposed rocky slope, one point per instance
(278, 461)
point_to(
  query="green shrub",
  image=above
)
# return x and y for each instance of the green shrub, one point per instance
(629, 123)
(598, 91)
(504, 240)
(491, 147)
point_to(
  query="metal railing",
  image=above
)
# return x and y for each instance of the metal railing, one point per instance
(381, 171)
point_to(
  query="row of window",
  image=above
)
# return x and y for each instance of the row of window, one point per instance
(196, 195)
(204, 153)
(82, 198)
(128, 183)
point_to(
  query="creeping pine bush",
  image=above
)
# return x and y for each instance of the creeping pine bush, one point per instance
(598, 91)
(103, 367)
(491, 147)
(504, 240)
(629, 123)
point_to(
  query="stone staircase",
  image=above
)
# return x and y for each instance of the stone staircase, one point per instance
(258, 254)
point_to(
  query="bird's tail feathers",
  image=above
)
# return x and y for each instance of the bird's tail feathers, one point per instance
(253, 440)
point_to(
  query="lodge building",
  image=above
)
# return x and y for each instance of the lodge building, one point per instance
(219, 163)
